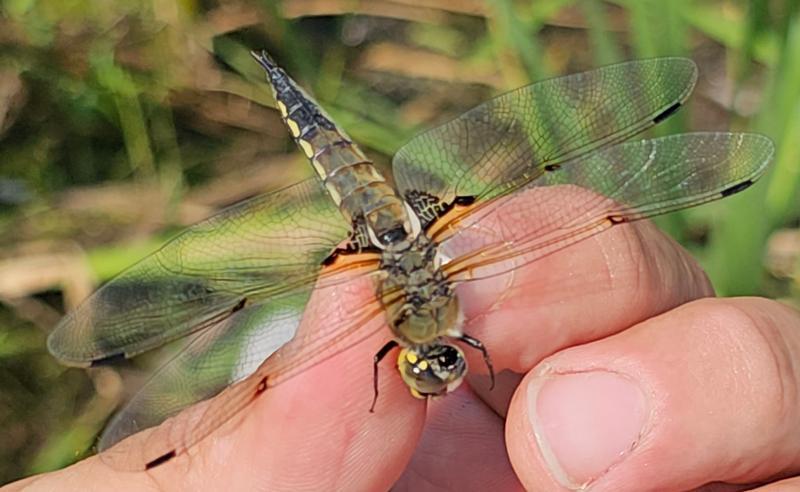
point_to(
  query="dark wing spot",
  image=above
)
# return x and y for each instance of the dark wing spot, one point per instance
(426, 206)
(239, 306)
(109, 360)
(429, 207)
(616, 219)
(262, 386)
(552, 167)
(666, 113)
(737, 188)
(160, 460)
(331, 258)
(464, 200)
(352, 248)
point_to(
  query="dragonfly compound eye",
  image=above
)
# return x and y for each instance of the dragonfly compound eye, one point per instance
(432, 370)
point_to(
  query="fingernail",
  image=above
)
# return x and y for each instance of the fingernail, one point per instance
(585, 423)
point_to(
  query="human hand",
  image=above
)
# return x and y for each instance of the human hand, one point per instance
(632, 379)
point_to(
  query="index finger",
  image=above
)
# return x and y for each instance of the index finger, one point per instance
(314, 431)
(587, 291)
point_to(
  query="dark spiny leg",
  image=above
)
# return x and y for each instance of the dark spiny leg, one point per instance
(476, 344)
(375, 361)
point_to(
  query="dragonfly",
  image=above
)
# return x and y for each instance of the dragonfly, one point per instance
(237, 286)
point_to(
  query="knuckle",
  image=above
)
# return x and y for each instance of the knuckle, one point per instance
(761, 356)
(624, 259)
(647, 266)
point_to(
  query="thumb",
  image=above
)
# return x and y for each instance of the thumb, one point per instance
(707, 392)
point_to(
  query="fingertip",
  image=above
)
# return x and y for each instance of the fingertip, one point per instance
(582, 423)
(615, 280)
(713, 375)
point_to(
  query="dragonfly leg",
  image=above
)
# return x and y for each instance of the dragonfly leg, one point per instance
(477, 344)
(375, 361)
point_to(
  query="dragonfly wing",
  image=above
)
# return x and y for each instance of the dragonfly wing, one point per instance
(237, 360)
(212, 360)
(512, 139)
(622, 183)
(246, 255)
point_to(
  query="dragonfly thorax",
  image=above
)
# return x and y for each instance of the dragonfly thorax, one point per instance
(429, 308)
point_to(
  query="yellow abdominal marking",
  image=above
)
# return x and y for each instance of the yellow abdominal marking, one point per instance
(282, 109)
(423, 365)
(411, 357)
(293, 127)
(307, 149)
(320, 170)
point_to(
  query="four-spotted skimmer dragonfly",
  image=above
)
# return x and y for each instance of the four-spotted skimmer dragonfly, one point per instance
(237, 285)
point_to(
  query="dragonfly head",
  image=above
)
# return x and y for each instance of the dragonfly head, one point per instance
(432, 370)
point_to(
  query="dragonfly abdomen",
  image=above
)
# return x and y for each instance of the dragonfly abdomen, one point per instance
(353, 182)
(360, 191)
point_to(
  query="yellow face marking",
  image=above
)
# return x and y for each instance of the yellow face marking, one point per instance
(401, 357)
(308, 150)
(293, 127)
(423, 365)
(404, 358)
(282, 109)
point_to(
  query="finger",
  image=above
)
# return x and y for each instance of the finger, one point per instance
(496, 394)
(315, 430)
(588, 291)
(788, 485)
(88, 475)
(707, 392)
(462, 448)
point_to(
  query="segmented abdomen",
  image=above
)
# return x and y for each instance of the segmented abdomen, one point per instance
(353, 182)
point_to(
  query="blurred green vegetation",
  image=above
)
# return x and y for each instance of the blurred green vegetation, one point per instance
(121, 122)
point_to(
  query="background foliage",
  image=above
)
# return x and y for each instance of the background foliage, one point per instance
(122, 122)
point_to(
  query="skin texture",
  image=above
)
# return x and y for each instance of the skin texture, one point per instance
(714, 398)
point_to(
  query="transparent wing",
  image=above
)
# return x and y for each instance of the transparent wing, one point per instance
(620, 184)
(512, 139)
(253, 350)
(249, 254)
(212, 360)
